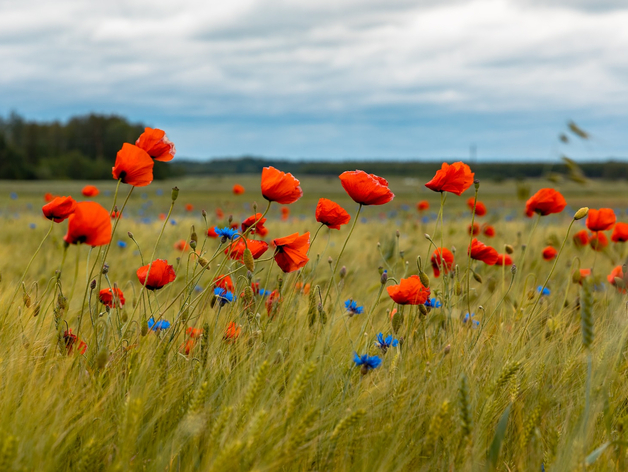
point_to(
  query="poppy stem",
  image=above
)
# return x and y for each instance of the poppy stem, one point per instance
(525, 249)
(468, 275)
(314, 239)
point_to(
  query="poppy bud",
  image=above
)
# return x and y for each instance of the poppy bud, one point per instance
(423, 310)
(131, 235)
(343, 272)
(428, 237)
(254, 207)
(203, 262)
(101, 358)
(192, 243)
(576, 277)
(397, 233)
(447, 349)
(194, 236)
(509, 249)
(203, 213)
(230, 219)
(380, 269)
(425, 280)
(581, 213)
(27, 300)
(105, 268)
(248, 293)
(144, 329)
(477, 277)
(476, 182)
(384, 278)
(330, 260)
(175, 193)
(279, 283)
(513, 269)
(248, 260)
(93, 284)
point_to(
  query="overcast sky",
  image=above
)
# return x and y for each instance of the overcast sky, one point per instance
(329, 78)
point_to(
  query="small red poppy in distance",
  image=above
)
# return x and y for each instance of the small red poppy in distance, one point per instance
(89, 224)
(189, 207)
(280, 187)
(211, 232)
(503, 260)
(366, 189)
(581, 238)
(473, 230)
(161, 273)
(232, 331)
(331, 214)
(72, 340)
(285, 213)
(480, 208)
(133, 166)
(423, 205)
(181, 245)
(410, 291)
(545, 202)
(291, 251)
(620, 233)
(488, 231)
(598, 241)
(59, 209)
(224, 282)
(111, 298)
(446, 263)
(481, 252)
(156, 144)
(238, 189)
(601, 220)
(48, 197)
(272, 303)
(256, 219)
(454, 178)
(90, 191)
(236, 249)
(549, 253)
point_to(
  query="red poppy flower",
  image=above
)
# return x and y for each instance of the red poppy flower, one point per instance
(181, 245)
(545, 202)
(280, 187)
(224, 282)
(90, 191)
(111, 298)
(156, 144)
(272, 303)
(598, 241)
(480, 208)
(582, 274)
(601, 220)
(475, 230)
(285, 213)
(291, 251)
(133, 166)
(446, 263)
(482, 252)
(455, 178)
(49, 197)
(236, 249)
(234, 225)
(161, 273)
(211, 232)
(503, 260)
(162, 216)
(219, 213)
(189, 207)
(620, 233)
(238, 189)
(232, 332)
(410, 291)
(71, 340)
(366, 189)
(581, 238)
(89, 224)
(59, 209)
(423, 205)
(549, 253)
(116, 214)
(194, 332)
(489, 231)
(618, 273)
(259, 224)
(331, 214)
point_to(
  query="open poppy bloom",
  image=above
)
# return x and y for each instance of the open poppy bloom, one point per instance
(272, 303)
(366, 189)
(181, 245)
(156, 144)
(549, 253)
(331, 214)
(211, 232)
(480, 208)
(258, 221)
(236, 249)
(59, 209)
(481, 252)
(423, 205)
(133, 166)
(161, 273)
(238, 189)
(90, 191)
(503, 260)
(620, 233)
(545, 202)
(224, 282)
(598, 241)
(581, 238)
(71, 340)
(455, 178)
(285, 213)
(89, 224)
(280, 187)
(473, 230)
(488, 231)
(291, 251)
(442, 258)
(617, 273)
(601, 220)
(410, 291)
(111, 298)
(580, 275)
(232, 331)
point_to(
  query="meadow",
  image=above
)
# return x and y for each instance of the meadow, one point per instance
(530, 380)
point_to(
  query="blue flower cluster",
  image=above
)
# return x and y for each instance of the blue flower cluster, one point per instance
(366, 362)
(226, 233)
(433, 303)
(159, 325)
(353, 308)
(224, 296)
(385, 343)
(543, 291)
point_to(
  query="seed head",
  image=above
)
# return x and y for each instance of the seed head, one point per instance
(581, 213)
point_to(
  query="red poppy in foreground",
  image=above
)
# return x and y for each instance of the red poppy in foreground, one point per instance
(620, 233)
(238, 189)
(89, 224)
(71, 340)
(366, 189)
(291, 252)
(581, 238)
(236, 249)
(331, 214)
(545, 202)
(232, 332)
(256, 219)
(480, 208)
(481, 252)
(455, 178)
(423, 205)
(442, 258)
(133, 166)
(549, 253)
(601, 220)
(156, 144)
(161, 273)
(473, 230)
(90, 191)
(280, 187)
(111, 298)
(488, 231)
(503, 260)
(410, 291)
(598, 241)
(224, 282)
(59, 209)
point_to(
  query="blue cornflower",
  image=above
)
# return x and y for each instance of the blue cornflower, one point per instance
(543, 291)
(366, 362)
(433, 303)
(263, 292)
(121, 244)
(13, 196)
(224, 296)
(144, 196)
(32, 226)
(474, 323)
(198, 288)
(159, 325)
(385, 343)
(173, 221)
(353, 308)
(226, 233)
(159, 192)
(425, 220)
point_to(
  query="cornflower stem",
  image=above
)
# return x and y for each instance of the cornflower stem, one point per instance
(333, 273)
(468, 274)
(370, 312)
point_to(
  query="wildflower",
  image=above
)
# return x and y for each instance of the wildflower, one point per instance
(503, 260)
(258, 221)
(59, 209)
(386, 343)
(620, 233)
(189, 207)
(581, 238)
(161, 273)
(366, 362)
(423, 205)
(455, 178)
(211, 232)
(366, 189)
(480, 208)
(232, 331)
(489, 231)
(71, 339)
(442, 259)
(410, 291)
(226, 233)
(473, 230)
(331, 214)
(236, 249)
(353, 308)
(481, 252)
(280, 187)
(181, 245)
(88, 191)
(193, 335)
(543, 290)
(545, 202)
(598, 241)
(549, 253)
(272, 303)
(600, 220)
(89, 224)
(133, 166)
(224, 296)
(433, 303)
(156, 144)
(291, 251)
(159, 325)
(285, 213)
(238, 189)
(224, 282)
(13, 196)
(580, 275)
(111, 298)
(617, 273)
(121, 244)
(474, 323)
(48, 197)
